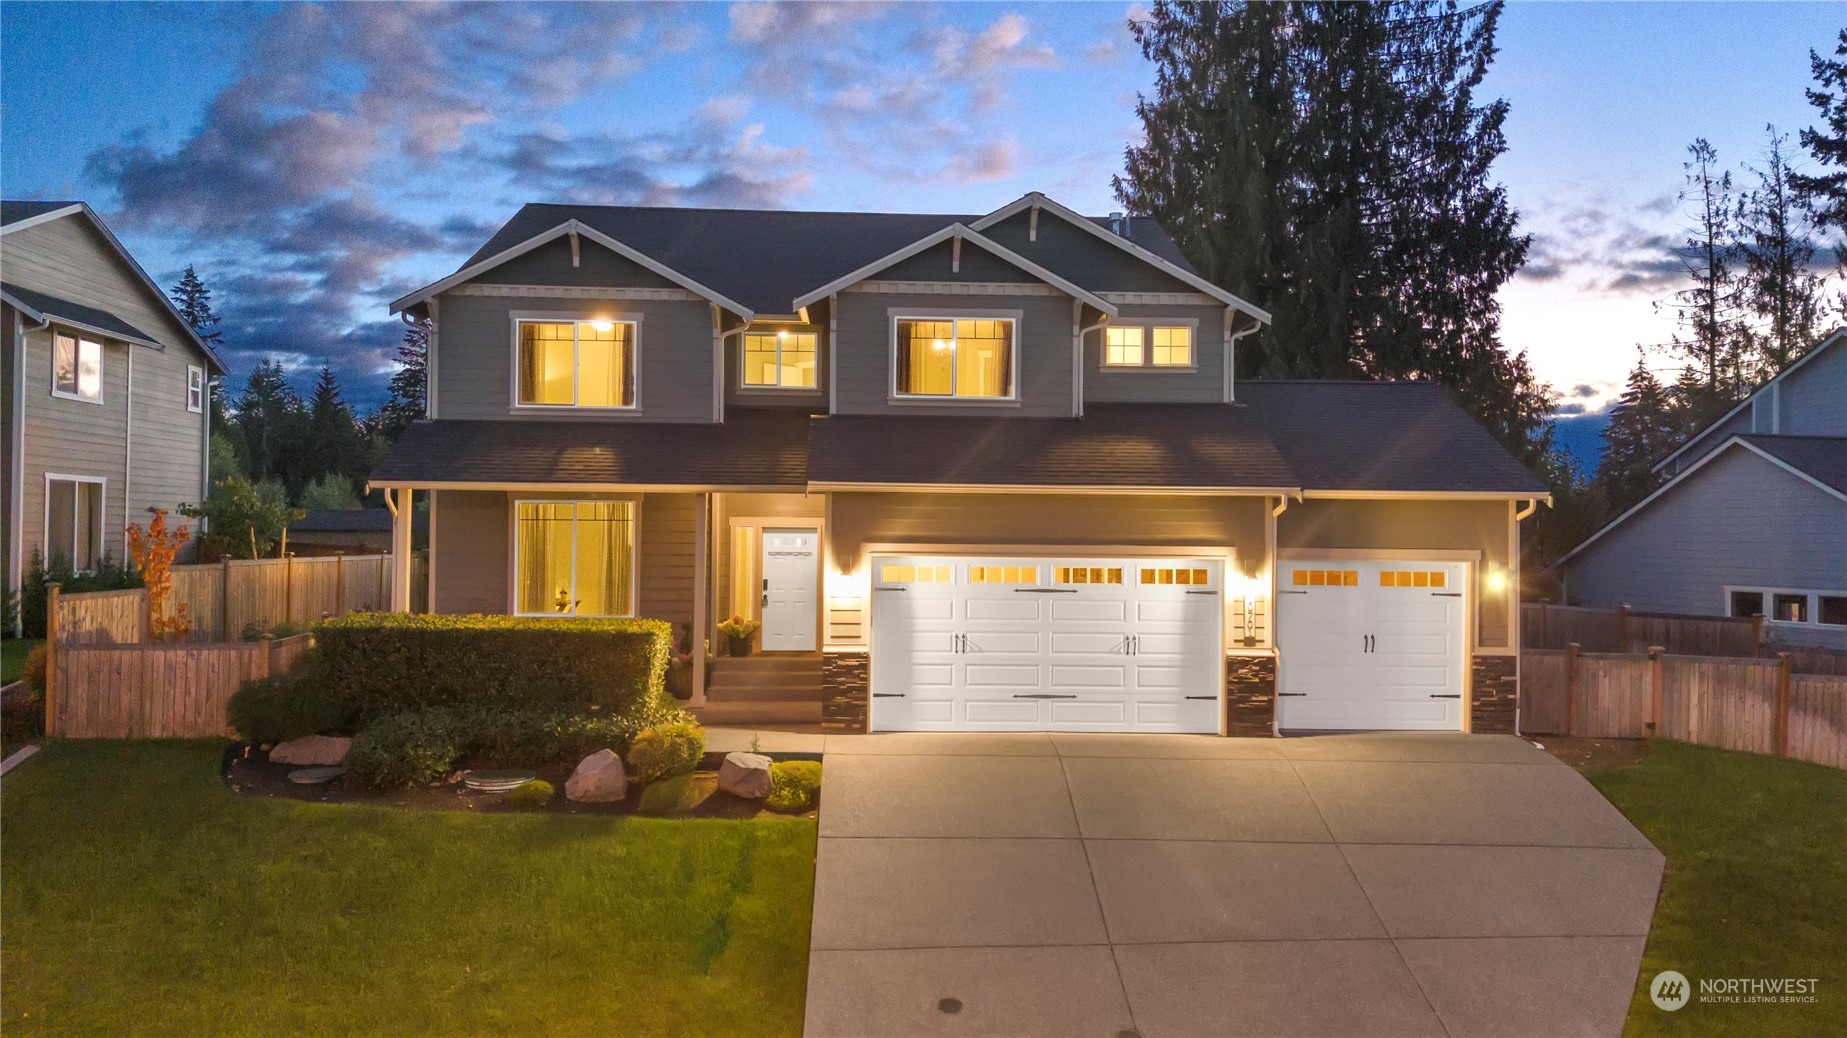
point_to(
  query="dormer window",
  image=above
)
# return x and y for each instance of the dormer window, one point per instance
(1162, 346)
(955, 357)
(779, 360)
(576, 363)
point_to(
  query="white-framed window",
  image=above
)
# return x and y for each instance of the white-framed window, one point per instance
(574, 558)
(954, 357)
(563, 363)
(76, 368)
(782, 359)
(74, 520)
(1788, 605)
(1167, 346)
(195, 389)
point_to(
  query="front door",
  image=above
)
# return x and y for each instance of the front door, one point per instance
(791, 570)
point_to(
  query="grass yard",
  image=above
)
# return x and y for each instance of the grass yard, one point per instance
(13, 653)
(1756, 883)
(142, 896)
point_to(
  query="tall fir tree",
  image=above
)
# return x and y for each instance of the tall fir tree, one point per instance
(1781, 291)
(1644, 427)
(1826, 190)
(1331, 163)
(193, 299)
(333, 446)
(271, 427)
(408, 387)
(1709, 311)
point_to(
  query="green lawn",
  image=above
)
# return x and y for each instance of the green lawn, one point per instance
(13, 657)
(1756, 883)
(141, 896)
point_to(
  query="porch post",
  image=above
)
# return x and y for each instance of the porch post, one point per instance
(400, 548)
(702, 606)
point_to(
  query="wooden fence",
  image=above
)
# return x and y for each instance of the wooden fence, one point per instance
(1545, 626)
(1755, 705)
(168, 690)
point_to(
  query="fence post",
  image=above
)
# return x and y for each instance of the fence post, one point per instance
(1622, 629)
(1757, 635)
(1545, 626)
(269, 653)
(224, 598)
(51, 659)
(1782, 704)
(1657, 679)
(288, 587)
(1571, 689)
(339, 583)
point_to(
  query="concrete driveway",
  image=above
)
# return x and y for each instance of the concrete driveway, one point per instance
(1122, 885)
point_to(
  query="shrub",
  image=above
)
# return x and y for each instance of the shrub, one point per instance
(669, 794)
(532, 738)
(288, 706)
(391, 662)
(38, 661)
(666, 750)
(793, 786)
(405, 749)
(536, 793)
(107, 575)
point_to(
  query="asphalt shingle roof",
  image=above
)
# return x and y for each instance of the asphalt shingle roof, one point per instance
(1822, 458)
(77, 313)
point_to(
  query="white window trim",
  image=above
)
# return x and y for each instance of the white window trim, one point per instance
(634, 569)
(1814, 596)
(894, 315)
(195, 383)
(519, 317)
(102, 510)
(1148, 366)
(754, 387)
(102, 367)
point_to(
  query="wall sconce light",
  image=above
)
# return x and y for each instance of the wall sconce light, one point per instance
(1250, 587)
(1497, 578)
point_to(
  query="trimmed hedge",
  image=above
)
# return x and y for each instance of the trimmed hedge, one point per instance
(288, 706)
(794, 784)
(392, 662)
(407, 749)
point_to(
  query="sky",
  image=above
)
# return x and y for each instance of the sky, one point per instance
(316, 161)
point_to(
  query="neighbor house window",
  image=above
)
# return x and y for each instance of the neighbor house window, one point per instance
(779, 360)
(74, 521)
(577, 363)
(1148, 345)
(575, 558)
(1833, 610)
(1747, 603)
(1789, 605)
(955, 357)
(1791, 608)
(195, 389)
(76, 368)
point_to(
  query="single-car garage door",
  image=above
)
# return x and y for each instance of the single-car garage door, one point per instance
(1370, 644)
(1046, 644)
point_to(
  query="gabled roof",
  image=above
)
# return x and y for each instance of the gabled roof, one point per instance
(961, 232)
(1831, 341)
(1819, 460)
(19, 215)
(39, 307)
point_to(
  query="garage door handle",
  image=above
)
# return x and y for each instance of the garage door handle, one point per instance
(1452, 695)
(1041, 695)
(1446, 594)
(888, 695)
(1202, 697)
(1045, 591)
(1286, 591)
(1198, 591)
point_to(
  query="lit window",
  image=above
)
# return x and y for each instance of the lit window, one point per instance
(74, 515)
(577, 363)
(1003, 574)
(779, 360)
(1123, 346)
(1173, 347)
(1168, 575)
(195, 389)
(1791, 608)
(1087, 575)
(893, 573)
(959, 357)
(1325, 578)
(576, 558)
(76, 368)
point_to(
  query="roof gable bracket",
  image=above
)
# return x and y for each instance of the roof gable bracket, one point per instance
(955, 255)
(1032, 224)
(577, 259)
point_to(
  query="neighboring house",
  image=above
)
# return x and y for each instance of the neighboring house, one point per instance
(986, 472)
(1752, 520)
(106, 389)
(355, 531)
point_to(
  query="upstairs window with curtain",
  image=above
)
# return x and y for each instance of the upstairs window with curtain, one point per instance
(575, 558)
(577, 363)
(955, 357)
(779, 360)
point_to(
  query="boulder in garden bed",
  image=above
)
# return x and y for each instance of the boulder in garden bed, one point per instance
(599, 779)
(745, 775)
(311, 751)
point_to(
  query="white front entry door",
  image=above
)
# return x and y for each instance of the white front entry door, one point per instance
(791, 570)
(1047, 644)
(1370, 644)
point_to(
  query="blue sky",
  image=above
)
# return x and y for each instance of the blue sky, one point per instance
(315, 162)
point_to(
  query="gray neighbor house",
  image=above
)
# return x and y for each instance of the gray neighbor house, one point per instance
(969, 472)
(1752, 520)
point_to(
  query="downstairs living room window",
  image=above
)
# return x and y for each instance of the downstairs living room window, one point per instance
(575, 558)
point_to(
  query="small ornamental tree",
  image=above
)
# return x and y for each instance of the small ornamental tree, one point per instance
(152, 552)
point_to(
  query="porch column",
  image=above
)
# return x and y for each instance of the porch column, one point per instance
(401, 513)
(702, 605)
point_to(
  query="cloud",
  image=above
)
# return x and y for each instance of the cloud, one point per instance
(1602, 246)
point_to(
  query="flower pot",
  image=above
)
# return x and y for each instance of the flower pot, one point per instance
(680, 682)
(737, 646)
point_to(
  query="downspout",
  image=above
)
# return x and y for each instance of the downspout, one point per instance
(1513, 608)
(1231, 355)
(128, 448)
(1082, 334)
(718, 342)
(17, 564)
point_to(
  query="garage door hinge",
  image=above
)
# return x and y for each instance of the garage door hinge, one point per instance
(1451, 695)
(1041, 695)
(1200, 591)
(1446, 594)
(888, 695)
(1292, 693)
(1285, 591)
(1202, 697)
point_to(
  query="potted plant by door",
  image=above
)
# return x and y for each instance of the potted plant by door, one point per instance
(738, 632)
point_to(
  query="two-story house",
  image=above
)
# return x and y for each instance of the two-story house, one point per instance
(1752, 518)
(105, 389)
(986, 472)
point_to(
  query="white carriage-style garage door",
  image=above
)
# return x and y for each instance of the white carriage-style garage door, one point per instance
(1047, 644)
(1370, 644)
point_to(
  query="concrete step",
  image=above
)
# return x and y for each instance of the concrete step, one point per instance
(788, 691)
(771, 712)
(763, 678)
(763, 664)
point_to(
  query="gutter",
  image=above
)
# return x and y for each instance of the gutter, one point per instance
(1078, 361)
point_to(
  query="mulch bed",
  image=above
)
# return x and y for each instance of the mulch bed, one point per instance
(1590, 755)
(247, 770)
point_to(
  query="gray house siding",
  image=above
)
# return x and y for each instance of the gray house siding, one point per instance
(550, 264)
(1740, 521)
(863, 359)
(1708, 441)
(1813, 400)
(1077, 255)
(938, 263)
(1204, 383)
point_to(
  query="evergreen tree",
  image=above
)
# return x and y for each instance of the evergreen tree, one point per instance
(406, 403)
(1643, 428)
(1710, 337)
(1780, 289)
(334, 446)
(1826, 191)
(272, 427)
(1331, 163)
(194, 302)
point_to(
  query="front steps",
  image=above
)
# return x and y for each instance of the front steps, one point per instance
(745, 690)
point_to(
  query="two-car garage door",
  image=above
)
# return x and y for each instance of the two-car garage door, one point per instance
(1047, 644)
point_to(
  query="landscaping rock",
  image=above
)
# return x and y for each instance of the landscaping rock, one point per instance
(311, 750)
(599, 778)
(745, 775)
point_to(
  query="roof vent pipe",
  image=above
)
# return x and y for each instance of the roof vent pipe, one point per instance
(1115, 223)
